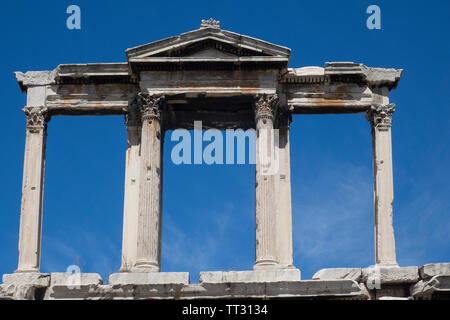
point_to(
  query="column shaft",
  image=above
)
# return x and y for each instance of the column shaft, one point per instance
(131, 194)
(150, 200)
(380, 117)
(283, 199)
(266, 168)
(32, 190)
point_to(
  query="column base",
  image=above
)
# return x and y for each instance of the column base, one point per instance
(27, 270)
(255, 276)
(390, 264)
(145, 267)
(266, 265)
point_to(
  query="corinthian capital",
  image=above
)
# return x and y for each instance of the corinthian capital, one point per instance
(380, 116)
(37, 117)
(265, 105)
(151, 105)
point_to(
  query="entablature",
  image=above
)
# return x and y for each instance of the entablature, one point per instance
(207, 63)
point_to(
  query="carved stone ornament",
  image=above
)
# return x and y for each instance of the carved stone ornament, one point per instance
(37, 117)
(380, 116)
(211, 23)
(151, 105)
(265, 105)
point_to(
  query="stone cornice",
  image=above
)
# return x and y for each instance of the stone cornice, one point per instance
(238, 40)
(35, 78)
(94, 73)
(91, 73)
(346, 72)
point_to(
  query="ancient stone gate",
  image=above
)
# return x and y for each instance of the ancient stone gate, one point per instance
(226, 80)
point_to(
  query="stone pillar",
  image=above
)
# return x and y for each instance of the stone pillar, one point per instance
(150, 200)
(380, 117)
(32, 190)
(131, 195)
(283, 194)
(266, 170)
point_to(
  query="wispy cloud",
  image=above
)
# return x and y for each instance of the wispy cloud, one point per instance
(206, 248)
(92, 253)
(333, 219)
(422, 227)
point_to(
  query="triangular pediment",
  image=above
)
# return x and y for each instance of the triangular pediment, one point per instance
(207, 47)
(208, 53)
(208, 42)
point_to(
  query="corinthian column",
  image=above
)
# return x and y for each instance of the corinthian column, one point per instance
(150, 177)
(32, 190)
(266, 169)
(131, 195)
(380, 117)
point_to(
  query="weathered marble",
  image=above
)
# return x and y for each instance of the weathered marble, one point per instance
(39, 280)
(148, 278)
(132, 184)
(254, 276)
(32, 190)
(396, 284)
(226, 80)
(426, 289)
(150, 186)
(23, 286)
(338, 273)
(434, 269)
(283, 201)
(267, 166)
(392, 275)
(380, 117)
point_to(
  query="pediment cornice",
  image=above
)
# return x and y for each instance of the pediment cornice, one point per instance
(208, 37)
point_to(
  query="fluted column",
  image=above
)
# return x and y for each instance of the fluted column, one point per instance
(131, 194)
(150, 200)
(266, 170)
(32, 190)
(380, 117)
(283, 193)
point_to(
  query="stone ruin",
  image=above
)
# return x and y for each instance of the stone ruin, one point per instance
(226, 80)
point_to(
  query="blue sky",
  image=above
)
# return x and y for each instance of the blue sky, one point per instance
(208, 211)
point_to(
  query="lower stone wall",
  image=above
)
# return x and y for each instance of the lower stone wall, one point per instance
(430, 281)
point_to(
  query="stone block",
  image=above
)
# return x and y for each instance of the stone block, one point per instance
(250, 276)
(425, 289)
(283, 289)
(75, 279)
(339, 289)
(144, 278)
(354, 274)
(38, 280)
(391, 275)
(428, 271)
